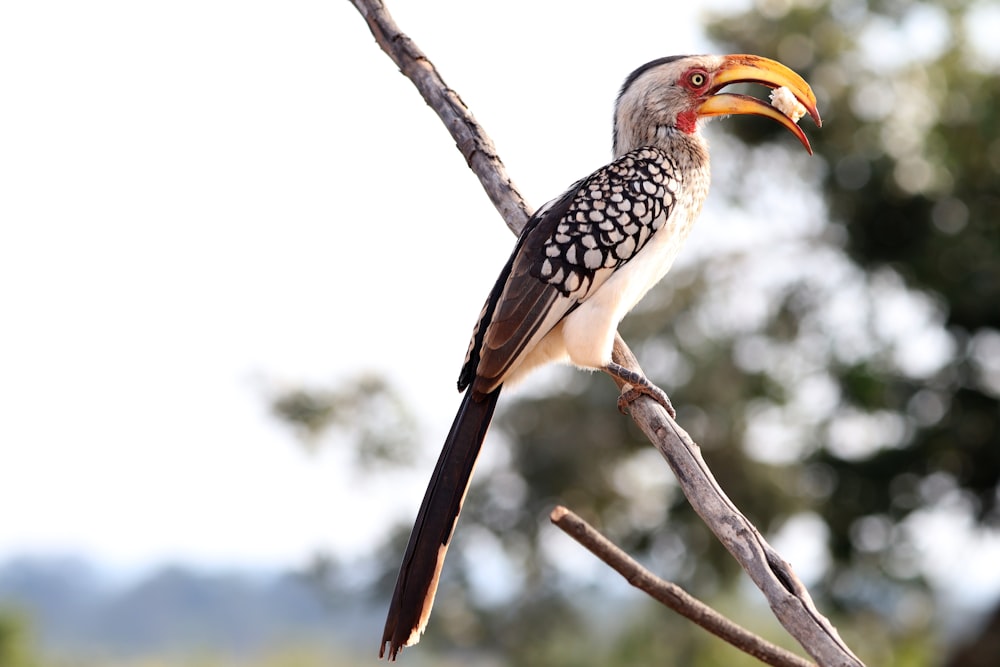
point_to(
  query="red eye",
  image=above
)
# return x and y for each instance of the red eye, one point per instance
(697, 79)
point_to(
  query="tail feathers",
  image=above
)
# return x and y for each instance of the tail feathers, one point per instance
(418, 576)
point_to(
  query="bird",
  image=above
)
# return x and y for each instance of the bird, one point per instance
(580, 264)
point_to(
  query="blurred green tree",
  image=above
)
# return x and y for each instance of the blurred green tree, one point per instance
(364, 411)
(15, 645)
(912, 167)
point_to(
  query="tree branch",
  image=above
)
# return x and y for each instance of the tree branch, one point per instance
(788, 598)
(470, 139)
(671, 595)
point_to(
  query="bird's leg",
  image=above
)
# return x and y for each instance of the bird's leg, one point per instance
(637, 385)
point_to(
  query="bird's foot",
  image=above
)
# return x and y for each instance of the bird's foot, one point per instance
(632, 392)
(637, 385)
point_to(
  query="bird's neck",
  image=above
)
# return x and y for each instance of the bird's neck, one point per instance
(689, 148)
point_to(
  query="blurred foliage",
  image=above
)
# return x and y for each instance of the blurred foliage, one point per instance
(15, 643)
(303, 655)
(911, 147)
(981, 650)
(839, 367)
(911, 184)
(364, 410)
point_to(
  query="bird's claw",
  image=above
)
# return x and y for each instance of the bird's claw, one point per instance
(631, 392)
(626, 397)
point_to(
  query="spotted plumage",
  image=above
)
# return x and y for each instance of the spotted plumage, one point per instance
(612, 215)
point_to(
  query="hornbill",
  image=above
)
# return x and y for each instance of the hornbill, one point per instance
(581, 263)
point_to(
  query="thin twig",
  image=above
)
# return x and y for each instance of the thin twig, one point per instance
(786, 595)
(672, 595)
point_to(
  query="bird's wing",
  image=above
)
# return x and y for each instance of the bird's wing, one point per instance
(568, 249)
(554, 209)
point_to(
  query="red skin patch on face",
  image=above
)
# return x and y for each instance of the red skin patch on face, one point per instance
(687, 121)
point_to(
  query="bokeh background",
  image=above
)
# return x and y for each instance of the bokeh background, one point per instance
(240, 260)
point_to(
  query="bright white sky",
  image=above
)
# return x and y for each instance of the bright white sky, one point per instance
(202, 200)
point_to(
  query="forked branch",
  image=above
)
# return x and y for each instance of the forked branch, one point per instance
(671, 595)
(788, 598)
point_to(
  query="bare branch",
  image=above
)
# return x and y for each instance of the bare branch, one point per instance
(786, 595)
(672, 595)
(469, 137)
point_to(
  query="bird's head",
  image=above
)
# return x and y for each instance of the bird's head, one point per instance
(677, 93)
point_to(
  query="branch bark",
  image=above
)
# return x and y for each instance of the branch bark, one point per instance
(787, 597)
(671, 595)
(470, 139)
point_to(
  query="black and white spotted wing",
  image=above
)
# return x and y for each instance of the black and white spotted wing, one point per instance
(567, 250)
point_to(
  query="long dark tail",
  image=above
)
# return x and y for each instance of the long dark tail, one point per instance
(417, 581)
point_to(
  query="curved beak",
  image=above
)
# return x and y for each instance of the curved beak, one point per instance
(770, 73)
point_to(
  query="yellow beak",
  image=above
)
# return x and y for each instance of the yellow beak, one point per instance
(754, 69)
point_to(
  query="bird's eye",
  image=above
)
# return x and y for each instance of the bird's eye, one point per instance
(697, 79)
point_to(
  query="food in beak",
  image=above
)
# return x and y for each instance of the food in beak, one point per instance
(784, 101)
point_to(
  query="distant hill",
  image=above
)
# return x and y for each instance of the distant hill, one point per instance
(74, 609)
